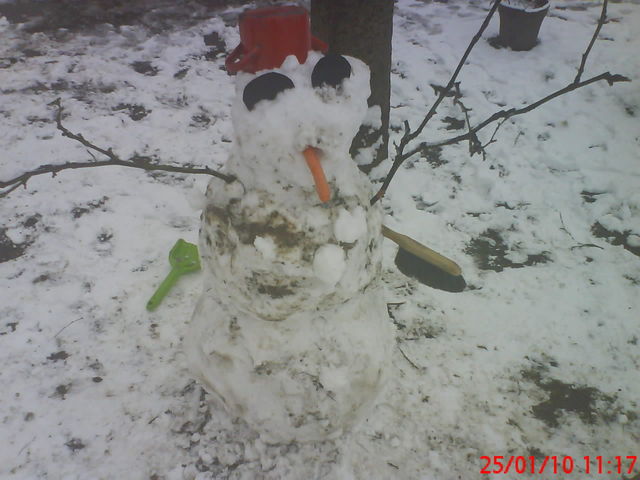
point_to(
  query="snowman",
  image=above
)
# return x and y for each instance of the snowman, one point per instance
(291, 333)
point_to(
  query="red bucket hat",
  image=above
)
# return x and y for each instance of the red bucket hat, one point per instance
(269, 35)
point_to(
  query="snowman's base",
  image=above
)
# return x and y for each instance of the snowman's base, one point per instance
(310, 377)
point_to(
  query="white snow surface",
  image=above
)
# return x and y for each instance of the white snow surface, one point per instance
(545, 229)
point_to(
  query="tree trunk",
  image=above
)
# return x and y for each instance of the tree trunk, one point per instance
(362, 29)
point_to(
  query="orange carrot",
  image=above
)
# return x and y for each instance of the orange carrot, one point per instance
(322, 187)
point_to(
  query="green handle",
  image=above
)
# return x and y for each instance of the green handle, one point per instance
(163, 289)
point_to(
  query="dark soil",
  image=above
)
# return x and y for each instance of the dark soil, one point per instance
(81, 210)
(490, 251)
(588, 403)
(8, 249)
(454, 123)
(615, 238)
(61, 355)
(135, 112)
(217, 46)
(75, 16)
(75, 444)
(433, 156)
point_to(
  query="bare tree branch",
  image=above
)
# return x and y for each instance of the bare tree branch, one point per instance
(475, 146)
(13, 187)
(585, 55)
(501, 115)
(413, 364)
(512, 112)
(137, 161)
(443, 93)
(408, 134)
(493, 137)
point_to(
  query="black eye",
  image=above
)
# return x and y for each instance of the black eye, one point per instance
(331, 70)
(265, 87)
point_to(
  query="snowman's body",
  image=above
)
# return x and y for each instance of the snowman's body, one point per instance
(291, 332)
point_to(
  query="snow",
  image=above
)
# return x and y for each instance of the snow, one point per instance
(298, 112)
(329, 263)
(544, 229)
(266, 246)
(350, 225)
(295, 342)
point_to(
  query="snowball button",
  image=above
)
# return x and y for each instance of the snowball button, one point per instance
(329, 263)
(350, 226)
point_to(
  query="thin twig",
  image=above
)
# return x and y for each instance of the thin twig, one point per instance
(420, 369)
(143, 163)
(585, 55)
(580, 245)
(67, 325)
(493, 136)
(26, 445)
(8, 191)
(475, 146)
(445, 91)
(564, 227)
(586, 245)
(408, 134)
(512, 112)
(515, 142)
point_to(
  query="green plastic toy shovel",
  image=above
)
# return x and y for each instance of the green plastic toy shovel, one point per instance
(183, 258)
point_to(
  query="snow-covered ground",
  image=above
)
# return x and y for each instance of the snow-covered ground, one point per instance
(539, 357)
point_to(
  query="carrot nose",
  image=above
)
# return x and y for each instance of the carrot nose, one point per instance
(322, 187)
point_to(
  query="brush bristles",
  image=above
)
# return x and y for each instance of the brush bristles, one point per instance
(429, 275)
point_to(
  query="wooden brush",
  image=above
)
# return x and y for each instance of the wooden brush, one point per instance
(424, 264)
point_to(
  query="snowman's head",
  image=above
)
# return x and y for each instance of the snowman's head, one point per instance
(294, 125)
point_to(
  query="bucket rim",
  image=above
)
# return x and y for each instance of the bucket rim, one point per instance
(546, 6)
